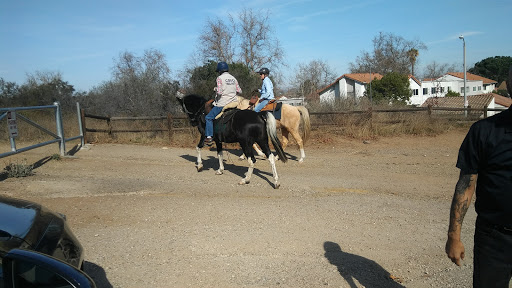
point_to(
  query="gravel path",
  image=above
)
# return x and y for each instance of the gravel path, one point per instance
(352, 215)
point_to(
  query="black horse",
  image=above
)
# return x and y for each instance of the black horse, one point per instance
(243, 126)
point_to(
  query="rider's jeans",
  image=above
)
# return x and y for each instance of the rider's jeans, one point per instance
(261, 105)
(209, 120)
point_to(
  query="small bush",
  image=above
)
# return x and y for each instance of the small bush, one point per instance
(16, 170)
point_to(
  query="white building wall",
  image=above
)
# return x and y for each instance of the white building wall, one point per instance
(359, 89)
(343, 88)
(329, 95)
(416, 99)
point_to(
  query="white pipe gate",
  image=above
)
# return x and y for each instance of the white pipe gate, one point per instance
(59, 136)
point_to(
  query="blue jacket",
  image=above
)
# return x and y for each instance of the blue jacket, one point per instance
(267, 90)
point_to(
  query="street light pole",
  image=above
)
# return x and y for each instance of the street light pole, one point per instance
(465, 97)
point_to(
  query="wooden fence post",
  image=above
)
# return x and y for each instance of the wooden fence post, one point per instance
(169, 126)
(109, 124)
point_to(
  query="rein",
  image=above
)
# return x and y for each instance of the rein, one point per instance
(199, 111)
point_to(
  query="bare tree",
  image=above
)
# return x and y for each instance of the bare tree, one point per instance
(216, 40)
(244, 38)
(390, 54)
(436, 70)
(257, 45)
(140, 86)
(312, 76)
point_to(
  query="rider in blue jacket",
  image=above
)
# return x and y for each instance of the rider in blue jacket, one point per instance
(267, 89)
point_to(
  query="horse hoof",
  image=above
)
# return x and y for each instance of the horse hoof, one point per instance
(199, 168)
(277, 185)
(242, 182)
(241, 158)
(301, 161)
(218, 172)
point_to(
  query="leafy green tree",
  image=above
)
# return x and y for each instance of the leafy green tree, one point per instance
(391, 53)
(452, 93)
(495, 68)
(8, 92)
(202, 79)
(392, 87)
(44, 88)
(503, 92)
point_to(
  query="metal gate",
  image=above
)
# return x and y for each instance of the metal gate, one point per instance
(13, 118)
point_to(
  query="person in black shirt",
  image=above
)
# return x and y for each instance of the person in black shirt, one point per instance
(485, 163)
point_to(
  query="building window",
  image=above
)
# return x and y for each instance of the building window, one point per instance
(461, 90)
(442, 89)
(433, 90)
(414, 91)
(425, 91)
(449, 88)
(474, 88)
(479, 88)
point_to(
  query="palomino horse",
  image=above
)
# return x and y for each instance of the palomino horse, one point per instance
(243, 126)
(291, 118)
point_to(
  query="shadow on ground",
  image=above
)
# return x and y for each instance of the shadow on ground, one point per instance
(354, 267)
(97, 274)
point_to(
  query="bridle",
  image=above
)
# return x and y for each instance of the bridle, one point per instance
(192, 115)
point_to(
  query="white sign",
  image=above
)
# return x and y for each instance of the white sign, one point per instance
(12, 124)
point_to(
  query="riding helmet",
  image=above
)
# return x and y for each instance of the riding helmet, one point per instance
(264, 71)
(222, 67)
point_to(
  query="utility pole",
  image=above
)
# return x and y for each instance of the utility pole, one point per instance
(465, 97)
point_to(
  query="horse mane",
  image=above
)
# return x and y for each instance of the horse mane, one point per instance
(194, 102)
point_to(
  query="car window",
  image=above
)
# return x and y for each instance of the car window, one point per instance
(29, 275)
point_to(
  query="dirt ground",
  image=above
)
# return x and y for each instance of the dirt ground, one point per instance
(353, 214)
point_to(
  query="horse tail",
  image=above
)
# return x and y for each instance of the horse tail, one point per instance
(272, 134)
(306, 123)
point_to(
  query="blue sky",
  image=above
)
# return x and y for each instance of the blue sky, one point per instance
(81, 39)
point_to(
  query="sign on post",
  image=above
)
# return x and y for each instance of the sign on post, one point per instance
(12, 124)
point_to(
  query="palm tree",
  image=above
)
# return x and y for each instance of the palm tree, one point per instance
(412, 54)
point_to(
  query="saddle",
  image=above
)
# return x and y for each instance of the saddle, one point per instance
(272, 105)
(227, 111)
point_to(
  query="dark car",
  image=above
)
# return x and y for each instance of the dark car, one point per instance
(35, 245)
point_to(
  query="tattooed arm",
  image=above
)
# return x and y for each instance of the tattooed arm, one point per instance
(464, 191)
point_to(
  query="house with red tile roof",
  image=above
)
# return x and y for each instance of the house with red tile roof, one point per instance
(347, 86)
(481, 101)
(353, 86)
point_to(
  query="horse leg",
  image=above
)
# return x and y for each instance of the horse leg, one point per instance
(199, 163)
(248, 175)
(284, 141)
(258, 151)
(220, 156)
(299, 141)
(272, 161)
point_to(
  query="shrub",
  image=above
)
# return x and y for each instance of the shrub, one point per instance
(16, 170)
